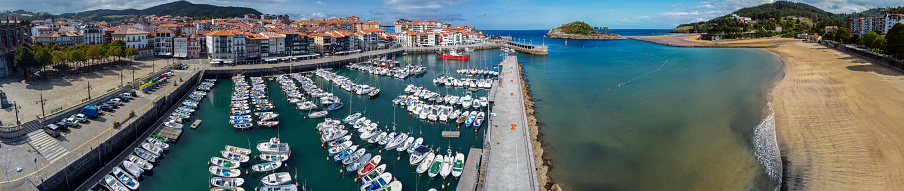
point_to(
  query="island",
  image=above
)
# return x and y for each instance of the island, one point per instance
(581, 30)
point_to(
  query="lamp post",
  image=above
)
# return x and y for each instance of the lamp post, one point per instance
(42, 102)
(89, 89)
(16, 106)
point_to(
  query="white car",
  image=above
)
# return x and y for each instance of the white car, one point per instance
(80, 117)
(126, 96)
(116, 101)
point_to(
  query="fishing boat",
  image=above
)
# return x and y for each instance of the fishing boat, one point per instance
(318, 114)
(158, 143)
(392, 186)
(274, 146)
(217, 161)
(267, 123)
(224, 172)
(399, 139)
(415, 145)
(471, 117)
(377, 183)
(404, 146)
(132, 168)
(436, 165)
(114, 184)
(373, 174)
(243, 126)
(427, 162)
(239, 121)
(339, 148)
(446, 167)
(144, 164)
(361, 161)
(340, 141)
(459, 164)
(452, 54)
(373, 93)
(351, 118)
(229, 189)
(146, 155)
(266, 167)
(332, 135)
(150, 147)
(240, 117)
(234, 156)
(274, 157)
(285, 187)
(126, 179)
(479, 120)
(354, 156)
(370, 165)
(238, 150)
(226, 182)
(278, 178)
(343, 154)
(335, 106)
(463, 117)
(241, 112)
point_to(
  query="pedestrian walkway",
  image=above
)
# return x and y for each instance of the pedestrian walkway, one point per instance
(47, 146)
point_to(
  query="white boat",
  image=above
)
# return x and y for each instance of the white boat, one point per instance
(371, 165)
(158, 143)
(278, 178)
(226, 181)
(357, 164)
(404, 146)
(318, 114)
(144, 164)
(274, 147)
(459, 165)
(114, 184)
(132, 168)
(427, 162)
(373, 174)
(386, 139)
(446, 168)
(126, 179)
(341, 155)
(378, 183)
(150, 147)
(285, 187)
(399, 139)
(339, 148)
(306, 106)
(351, 118)
(366, 135)
(435, 166)
(146, 155)
(234, 156)
(340, 141)
(274, 157)
(415, 145)
(333, 135)
(266, 167)
(224, 172)
(379, 137)
(238, 150)
(479, 120)
(392, 186)
(217, 161)
(354, 156)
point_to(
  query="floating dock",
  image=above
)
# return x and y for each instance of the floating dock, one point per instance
(468, 181)
(169, 133)
(451, 134)
(196, 124)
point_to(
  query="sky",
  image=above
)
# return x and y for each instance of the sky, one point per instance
(482, 14)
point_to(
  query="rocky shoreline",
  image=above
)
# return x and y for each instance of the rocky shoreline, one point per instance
(541, 159)
(556, 33)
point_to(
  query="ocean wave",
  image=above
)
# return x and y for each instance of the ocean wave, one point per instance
(766, 148)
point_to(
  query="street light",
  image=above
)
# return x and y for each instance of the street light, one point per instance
(17, 107)
(42, 102)
(89, 89)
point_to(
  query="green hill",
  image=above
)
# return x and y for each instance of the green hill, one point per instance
(178, 8)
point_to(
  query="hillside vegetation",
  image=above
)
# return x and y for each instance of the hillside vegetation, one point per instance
(178, 8)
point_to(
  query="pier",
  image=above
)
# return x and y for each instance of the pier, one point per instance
(451, 134)
(468, 180)
(510, 160)
(196, 124)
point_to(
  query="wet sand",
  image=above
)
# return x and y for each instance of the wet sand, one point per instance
(838, 120)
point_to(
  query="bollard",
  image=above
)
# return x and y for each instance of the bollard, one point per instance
(513, 126)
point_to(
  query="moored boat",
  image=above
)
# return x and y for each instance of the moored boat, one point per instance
(371, 165)
(126, 179)
(427, 161)
(285, 187)
(226, 181)
(435, 165)
(114, 184)
(224, 172)
(459, 165)
(234, 156)
(274, 157)
(217, 161)
(238, 150)
(278, 178)
(266, 167)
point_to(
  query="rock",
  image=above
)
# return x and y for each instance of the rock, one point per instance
(555, 187)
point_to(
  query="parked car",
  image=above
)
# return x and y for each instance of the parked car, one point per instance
(71, 121)
(105, 107)
(112, 104)
(126, 96)
(53, 130)
(133, 93)
(63, 124)
(81, 118)
(116, 101)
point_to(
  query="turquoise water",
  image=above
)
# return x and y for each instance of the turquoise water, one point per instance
(682, 119)
(184, 167)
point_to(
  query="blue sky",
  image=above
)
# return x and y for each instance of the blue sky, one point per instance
(483, 14)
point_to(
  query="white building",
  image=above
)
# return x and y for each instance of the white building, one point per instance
(92, 33)
(134, 38)
(163, 42)
(225, 47)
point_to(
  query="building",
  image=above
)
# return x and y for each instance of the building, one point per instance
(11, 35)
(92, 33)
(67, 38)
(163, 42)
(225, 47)
(275, 44)
(828, 29)
(274, 17)
(186, 46)
(135, 38)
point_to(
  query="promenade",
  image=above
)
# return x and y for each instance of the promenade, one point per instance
(510, 165)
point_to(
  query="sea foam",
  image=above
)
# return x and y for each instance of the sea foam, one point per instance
(766, 148)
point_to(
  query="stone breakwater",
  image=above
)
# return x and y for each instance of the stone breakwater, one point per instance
(542, 160)
(557, 33)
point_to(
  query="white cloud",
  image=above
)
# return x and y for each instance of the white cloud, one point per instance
(679, 13)
(675, 5)
(320, 3)
(704, 6)
(698, 19)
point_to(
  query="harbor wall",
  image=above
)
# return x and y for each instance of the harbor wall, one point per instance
(227, 73)
(97, 159)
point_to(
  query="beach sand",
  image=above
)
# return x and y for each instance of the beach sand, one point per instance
(838, 120)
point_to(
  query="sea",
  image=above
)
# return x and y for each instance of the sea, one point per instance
(632, 115)
(614, 115)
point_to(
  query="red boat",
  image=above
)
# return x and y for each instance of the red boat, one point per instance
(452, 54)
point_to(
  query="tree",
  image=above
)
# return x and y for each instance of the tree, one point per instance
(94, 52)
(43, 58)
(867, 39)
(131, 53)
(879, 43)
(59, 57)
(895, 41)
(24, 58)
(77, 56)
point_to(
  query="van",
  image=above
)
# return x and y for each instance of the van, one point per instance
(52, 130)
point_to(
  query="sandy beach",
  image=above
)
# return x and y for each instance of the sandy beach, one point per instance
(838, 117)
(838, 120)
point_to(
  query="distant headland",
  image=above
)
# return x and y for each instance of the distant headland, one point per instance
(581, 30)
